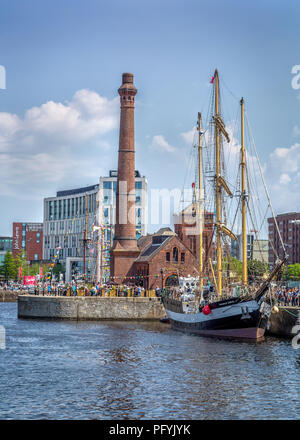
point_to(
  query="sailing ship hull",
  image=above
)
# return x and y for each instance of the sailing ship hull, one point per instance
(235, 320)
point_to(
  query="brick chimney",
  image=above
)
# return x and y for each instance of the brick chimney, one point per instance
(125, 250)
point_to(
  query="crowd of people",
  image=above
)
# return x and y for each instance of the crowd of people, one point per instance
(78, 289)
(288, 296)
(284, 296)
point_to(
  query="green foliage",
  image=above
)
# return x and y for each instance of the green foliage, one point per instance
(7, 268)
(57, 269)
(293, 270)
(20, 261)
(11, 265)
(233, 265)
(257, 268)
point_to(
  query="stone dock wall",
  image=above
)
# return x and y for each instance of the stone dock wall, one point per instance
(7, 296)
(282, 322)
(90, 308)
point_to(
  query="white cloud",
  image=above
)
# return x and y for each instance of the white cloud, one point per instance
(284, 179)
(159, 143)
(296, 131)
(189, 136)
(55, 143)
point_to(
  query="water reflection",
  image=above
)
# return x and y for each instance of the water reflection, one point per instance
(127, 370)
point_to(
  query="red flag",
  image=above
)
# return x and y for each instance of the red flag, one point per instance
(41, 272)
(212, 79)
(20, 272)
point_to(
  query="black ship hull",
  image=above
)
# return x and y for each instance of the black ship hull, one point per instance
(227, 319)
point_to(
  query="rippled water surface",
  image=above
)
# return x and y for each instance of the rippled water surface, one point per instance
(130, 370)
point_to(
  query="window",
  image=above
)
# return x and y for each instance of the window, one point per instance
(36, 257)
(138, 185)
(55, 209)
(38, 237)
(60, 213)
(168, 256)
(137, 199)
(107, 185)
(182, 257)
(175, 254)
(64, 208)
(106, 212)
(61, 226)
(51, 204)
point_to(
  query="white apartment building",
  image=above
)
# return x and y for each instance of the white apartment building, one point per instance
(65, 218)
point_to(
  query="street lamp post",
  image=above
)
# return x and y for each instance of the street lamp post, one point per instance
(162, 278)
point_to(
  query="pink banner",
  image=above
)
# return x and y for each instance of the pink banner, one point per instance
(29, 281)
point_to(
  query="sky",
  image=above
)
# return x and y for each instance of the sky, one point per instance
(59, 112)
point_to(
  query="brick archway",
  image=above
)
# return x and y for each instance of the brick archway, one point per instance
(171, 280)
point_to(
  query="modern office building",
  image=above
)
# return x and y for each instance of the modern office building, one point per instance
(289, 228)
(28, 238)
(5, 245)
(107, 204)
(261, 250)
(65, 222)
(237, 248)
(66, 216)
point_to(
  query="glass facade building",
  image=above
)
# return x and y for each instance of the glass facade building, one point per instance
(5, 245)
(64, 221)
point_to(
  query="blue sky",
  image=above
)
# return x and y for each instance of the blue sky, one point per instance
(53, 49)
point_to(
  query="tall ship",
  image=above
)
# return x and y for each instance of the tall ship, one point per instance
(220, 308)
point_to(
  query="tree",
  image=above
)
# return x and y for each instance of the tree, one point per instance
(57, 269)
(8, 266)
(20, 261)
(293, 270)
(256, 268)
(233, 265)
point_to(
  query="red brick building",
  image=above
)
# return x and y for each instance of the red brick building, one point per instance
(28, 237)
(156, 258)
(186, 228)
(163, 258)
(289, 228)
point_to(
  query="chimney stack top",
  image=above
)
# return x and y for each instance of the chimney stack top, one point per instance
(127, 78)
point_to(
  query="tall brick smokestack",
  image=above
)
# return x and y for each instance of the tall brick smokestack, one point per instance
(125, 250)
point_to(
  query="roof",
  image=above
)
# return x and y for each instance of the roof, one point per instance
(71, 192)
(157, 243)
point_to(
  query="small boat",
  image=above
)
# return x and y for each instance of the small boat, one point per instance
(165, 320)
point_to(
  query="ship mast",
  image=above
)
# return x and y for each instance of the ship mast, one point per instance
(220, 183)
(85, 238)
(243, 193)
(200, 212)
(218, 187)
